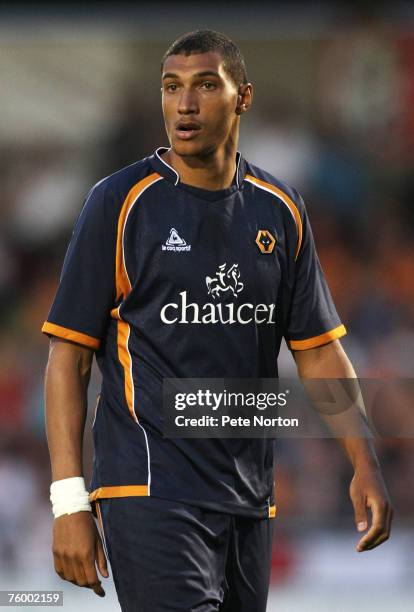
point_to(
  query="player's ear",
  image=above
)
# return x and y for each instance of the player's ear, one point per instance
(244, 98)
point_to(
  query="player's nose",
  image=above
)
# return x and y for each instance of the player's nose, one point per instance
(188, 102)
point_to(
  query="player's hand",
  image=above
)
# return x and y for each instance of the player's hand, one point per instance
(368, 490)
(77, 547)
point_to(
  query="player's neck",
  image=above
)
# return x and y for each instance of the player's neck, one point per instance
(212, 172)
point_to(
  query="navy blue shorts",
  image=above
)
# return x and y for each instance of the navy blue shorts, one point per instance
(167, 556)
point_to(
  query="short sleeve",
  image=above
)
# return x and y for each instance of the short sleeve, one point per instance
(86, 291)
(312, 319)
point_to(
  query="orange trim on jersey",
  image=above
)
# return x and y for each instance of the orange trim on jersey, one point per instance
(123, 286)
(333, 334)
(115, 313)
(70, 334)
(119, 491)
(124, 357)
(272, 511)
(289, 203)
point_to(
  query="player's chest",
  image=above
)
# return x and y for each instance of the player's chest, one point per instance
(216, 249)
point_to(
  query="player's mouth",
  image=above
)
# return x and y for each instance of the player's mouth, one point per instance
(186, 130)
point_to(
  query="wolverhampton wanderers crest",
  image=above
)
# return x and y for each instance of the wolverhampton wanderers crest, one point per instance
(265, 241)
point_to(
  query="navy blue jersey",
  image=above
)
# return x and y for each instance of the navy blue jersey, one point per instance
(164, 279)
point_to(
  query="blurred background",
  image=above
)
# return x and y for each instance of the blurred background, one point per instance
(333, 115)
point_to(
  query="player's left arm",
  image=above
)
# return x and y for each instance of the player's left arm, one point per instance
(367, 488)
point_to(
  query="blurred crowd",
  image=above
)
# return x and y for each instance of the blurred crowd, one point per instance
(352, 159)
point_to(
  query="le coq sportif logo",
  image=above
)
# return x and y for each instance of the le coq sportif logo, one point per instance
(175, 242)
(224, 284)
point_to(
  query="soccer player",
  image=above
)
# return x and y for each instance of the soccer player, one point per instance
(191, 262)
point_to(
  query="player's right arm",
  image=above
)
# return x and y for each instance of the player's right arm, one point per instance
(77, 547)
(77, 324)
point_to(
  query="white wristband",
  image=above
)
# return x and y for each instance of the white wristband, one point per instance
(68, 496)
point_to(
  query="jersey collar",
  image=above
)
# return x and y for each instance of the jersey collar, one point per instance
(171, 175)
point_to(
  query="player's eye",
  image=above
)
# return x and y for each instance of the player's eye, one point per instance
(209, 85)
(171, 87)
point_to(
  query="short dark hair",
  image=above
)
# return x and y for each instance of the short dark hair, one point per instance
(203, 41)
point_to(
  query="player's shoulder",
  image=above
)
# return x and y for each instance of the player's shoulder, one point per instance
(290, 201)
(121, 182)
(106, 198)
(268, 182)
